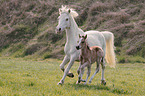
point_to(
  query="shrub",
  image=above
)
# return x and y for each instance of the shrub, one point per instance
(33, 48)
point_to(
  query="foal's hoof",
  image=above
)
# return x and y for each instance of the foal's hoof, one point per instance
(83, 80)
(70, 75)
(103, 82)
(90, 82)
(78, 71)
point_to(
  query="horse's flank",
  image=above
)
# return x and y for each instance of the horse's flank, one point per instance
(91, 53)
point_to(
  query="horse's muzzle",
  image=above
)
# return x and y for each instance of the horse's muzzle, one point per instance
(58, 30)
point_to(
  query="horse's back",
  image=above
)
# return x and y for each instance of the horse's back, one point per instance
(107, 35)
(96, 38)
(98, 50)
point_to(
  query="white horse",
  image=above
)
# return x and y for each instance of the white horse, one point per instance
(95, 38)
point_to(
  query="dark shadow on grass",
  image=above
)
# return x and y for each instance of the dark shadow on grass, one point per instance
(89, 86)
(99, 87)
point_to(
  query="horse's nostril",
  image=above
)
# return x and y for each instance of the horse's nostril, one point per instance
(59, 29)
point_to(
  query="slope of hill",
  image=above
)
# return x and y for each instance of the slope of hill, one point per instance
(27, 27)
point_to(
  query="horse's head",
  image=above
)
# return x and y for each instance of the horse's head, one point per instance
(64, 18)
(82, 42)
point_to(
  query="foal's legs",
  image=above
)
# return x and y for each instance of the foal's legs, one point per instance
(88, 73)
(96, 71)
(81, 72)
(78, 70)
(64, 62)
(103, 69)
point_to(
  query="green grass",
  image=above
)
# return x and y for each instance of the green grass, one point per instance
(19, 77)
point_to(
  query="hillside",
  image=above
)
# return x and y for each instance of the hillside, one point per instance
(27, 27)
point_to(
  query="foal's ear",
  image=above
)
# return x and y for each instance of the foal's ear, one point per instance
(85, 36)
(69, 11)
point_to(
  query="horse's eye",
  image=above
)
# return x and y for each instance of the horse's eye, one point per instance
(66, 19)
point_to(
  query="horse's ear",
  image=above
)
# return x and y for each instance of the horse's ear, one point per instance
(79, 36)
(69, 11)
(86, 36)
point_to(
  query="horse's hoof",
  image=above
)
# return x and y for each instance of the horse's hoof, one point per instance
(103, 82)
(70, 75)
(78, 82)
(60, 83)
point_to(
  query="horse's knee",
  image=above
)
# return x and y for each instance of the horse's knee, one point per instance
(103, 66)
(61, 67)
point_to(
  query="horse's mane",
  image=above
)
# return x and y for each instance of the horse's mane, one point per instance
(65, 9)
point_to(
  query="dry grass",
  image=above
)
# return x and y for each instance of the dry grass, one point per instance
(32, 23)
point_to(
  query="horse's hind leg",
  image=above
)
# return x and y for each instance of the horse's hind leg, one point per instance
(96, 71)
(103, 69)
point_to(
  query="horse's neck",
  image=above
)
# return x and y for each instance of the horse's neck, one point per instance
(86, 50)
(73, 32)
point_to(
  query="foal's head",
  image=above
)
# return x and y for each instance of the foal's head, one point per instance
(82, 42)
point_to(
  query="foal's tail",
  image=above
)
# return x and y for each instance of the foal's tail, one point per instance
(110, 54)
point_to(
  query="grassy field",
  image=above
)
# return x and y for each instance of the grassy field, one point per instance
(20, 77)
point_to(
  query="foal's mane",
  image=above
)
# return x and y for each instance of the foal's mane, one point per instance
(86, 43)
(88, 47)
(65, 9)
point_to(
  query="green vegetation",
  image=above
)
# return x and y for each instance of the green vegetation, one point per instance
(20, 77)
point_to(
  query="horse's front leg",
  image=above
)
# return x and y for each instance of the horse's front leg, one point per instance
(64, 62)
(72, 59)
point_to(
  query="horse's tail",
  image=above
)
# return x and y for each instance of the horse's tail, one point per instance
(110, 54)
